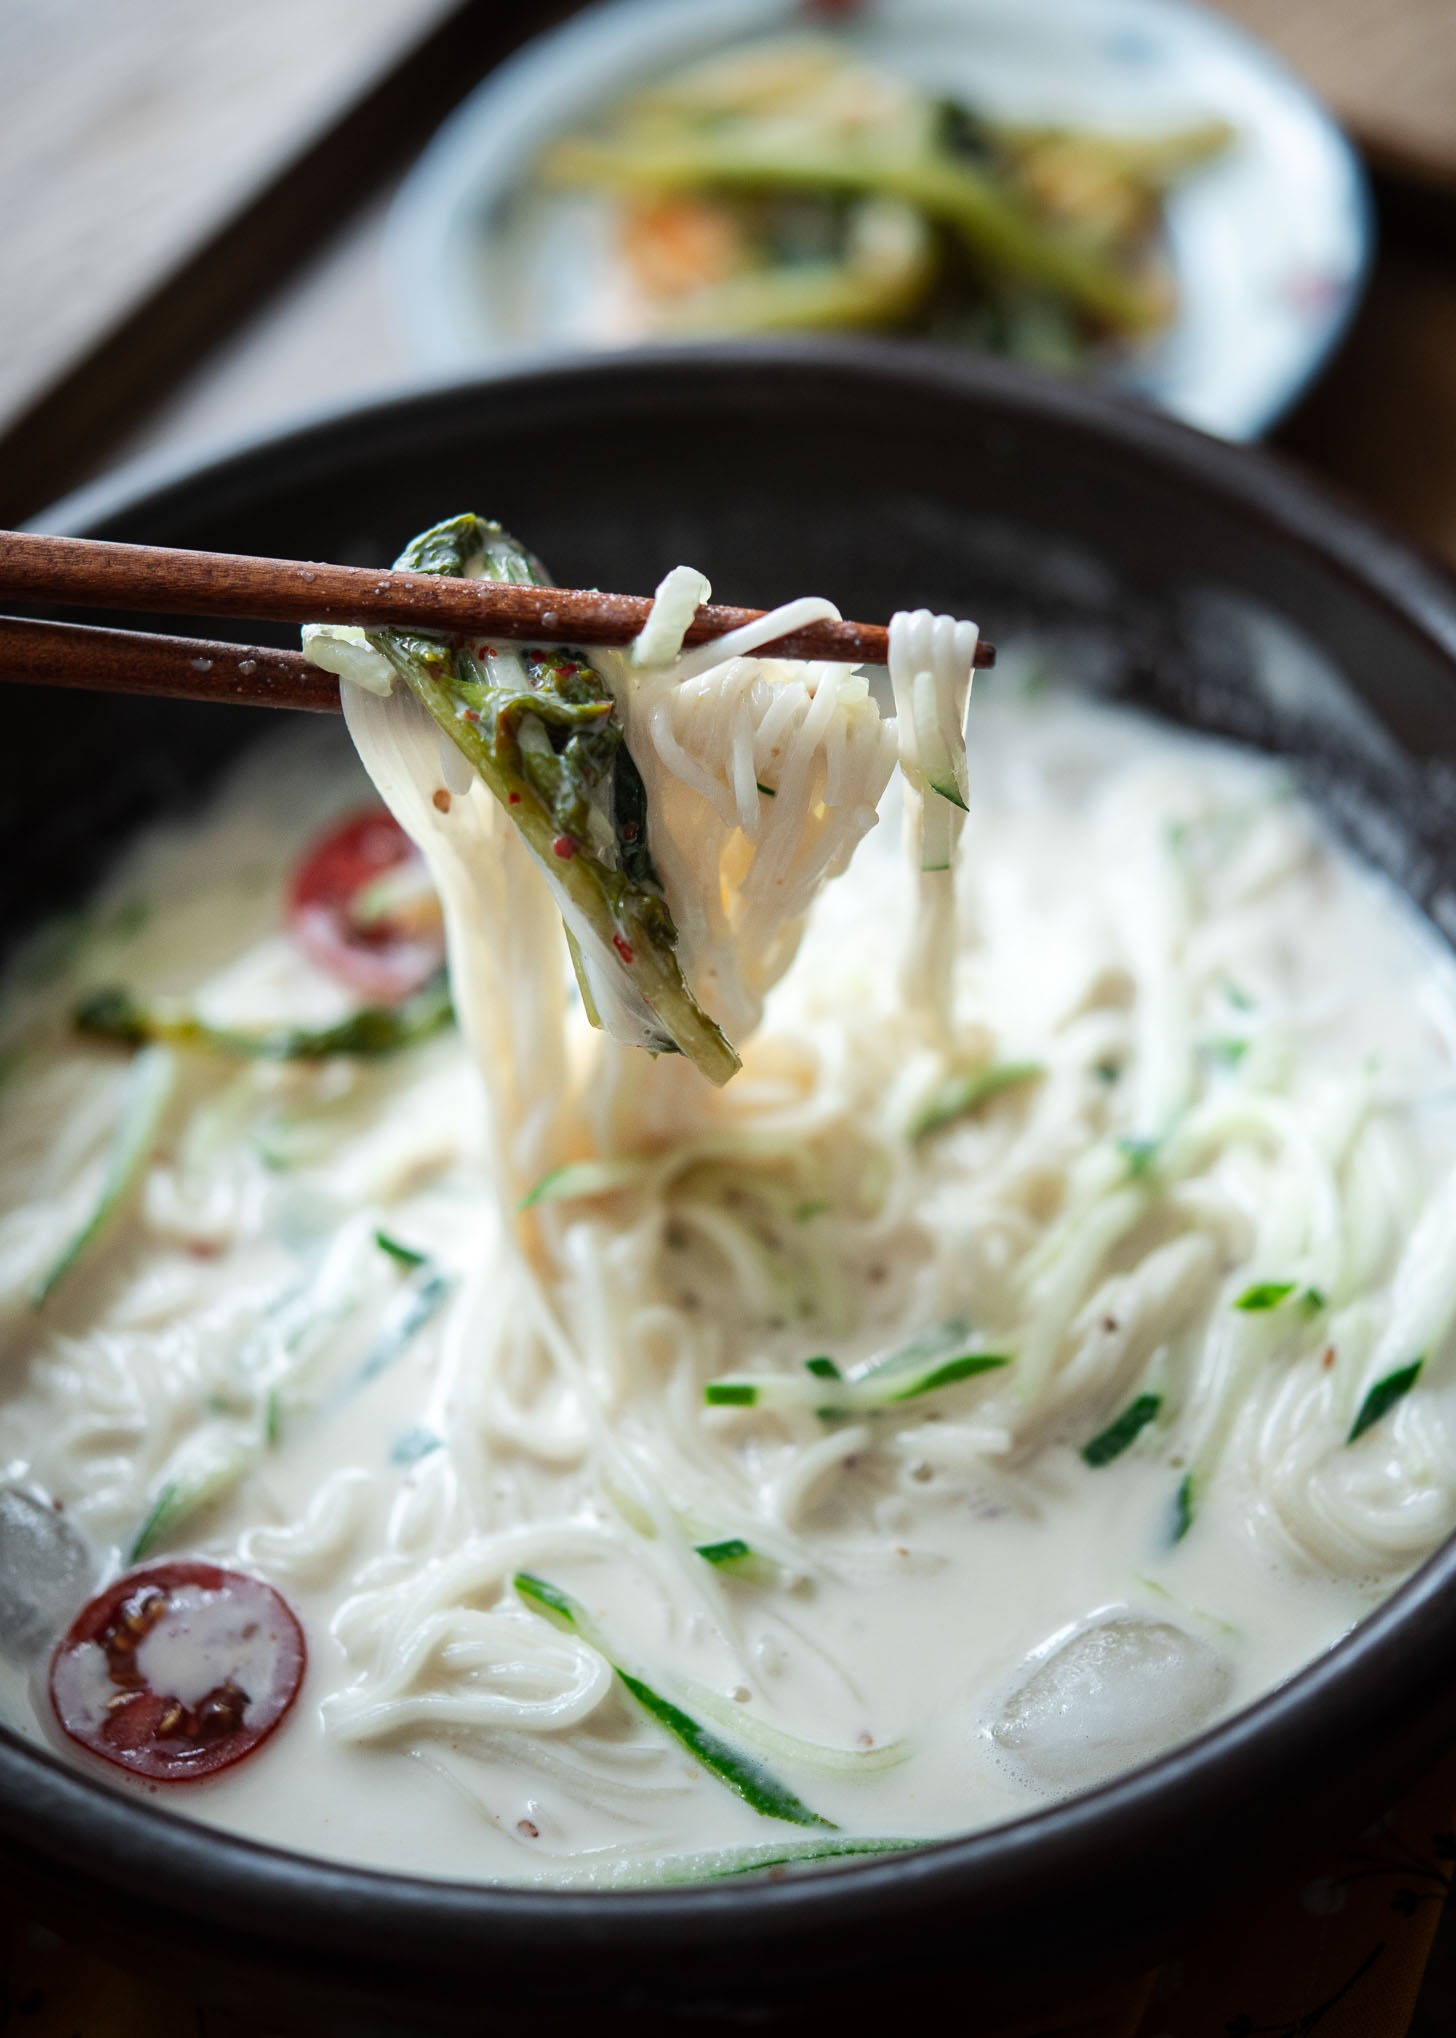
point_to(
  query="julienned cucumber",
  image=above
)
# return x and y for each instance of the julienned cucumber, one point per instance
(960, 1095)
(723, 1862)
(1383, 1397)
(925, 1366)
(148, 1087)
(746, 1778)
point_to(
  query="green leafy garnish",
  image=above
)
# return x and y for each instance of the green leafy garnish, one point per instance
(1111, 1442)
(958, 1096)
(746, 1778)
(1265, 1295)
(1383, 1397)
(372, 1031)
(1312, 1301)
(1183, 1507)
(547, 744)
(823, 1368)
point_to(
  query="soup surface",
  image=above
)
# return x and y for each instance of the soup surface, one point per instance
(916, 1428)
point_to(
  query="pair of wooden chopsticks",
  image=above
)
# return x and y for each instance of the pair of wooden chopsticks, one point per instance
(90, 573)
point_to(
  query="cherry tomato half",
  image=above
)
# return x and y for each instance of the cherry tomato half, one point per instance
(178, 1671)
(361, 907)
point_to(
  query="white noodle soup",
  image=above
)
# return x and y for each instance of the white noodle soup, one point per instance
(1039, 1349)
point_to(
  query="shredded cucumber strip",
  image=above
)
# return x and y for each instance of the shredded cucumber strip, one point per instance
(930, 1362)
(787, 1747)
(734, 1556)
(1122, 1431)
(149, 1085)
(959, 1095)
(403, 1255)
(577, 1179)
(196, 1485)
(1383, 1397)
(213, 1465)
(422, 1296)
(738, 1772)
(722, 1862)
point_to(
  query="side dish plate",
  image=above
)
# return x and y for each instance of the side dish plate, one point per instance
(1269, 245)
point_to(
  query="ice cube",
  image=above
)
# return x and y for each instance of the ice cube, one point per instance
(1114, 1694)
(46, 1571)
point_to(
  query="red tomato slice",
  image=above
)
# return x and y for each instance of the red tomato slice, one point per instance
(178, 1671)
(336, 918)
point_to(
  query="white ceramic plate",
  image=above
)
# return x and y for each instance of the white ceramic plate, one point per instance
(1270, 243)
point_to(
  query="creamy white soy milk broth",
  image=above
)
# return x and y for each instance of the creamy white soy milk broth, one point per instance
(1170, 1162)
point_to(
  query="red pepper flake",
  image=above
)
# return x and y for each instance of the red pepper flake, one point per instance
(528, 1829)
(513, 799)
(470, 715)
(565, 846)
(441, 801)
(1328, 1357)
(623, 950)
(630, 831)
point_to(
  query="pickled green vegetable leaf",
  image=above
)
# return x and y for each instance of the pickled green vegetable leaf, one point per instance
(374, 1030)
(546, 741)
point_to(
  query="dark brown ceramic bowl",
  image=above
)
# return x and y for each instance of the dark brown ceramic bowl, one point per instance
(1168, 568)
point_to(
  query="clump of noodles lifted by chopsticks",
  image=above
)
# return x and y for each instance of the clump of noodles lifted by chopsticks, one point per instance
(684, 807)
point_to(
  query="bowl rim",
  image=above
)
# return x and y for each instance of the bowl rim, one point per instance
(62, 1815)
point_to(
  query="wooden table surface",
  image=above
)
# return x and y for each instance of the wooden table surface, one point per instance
(128, 129)
(1387, 67)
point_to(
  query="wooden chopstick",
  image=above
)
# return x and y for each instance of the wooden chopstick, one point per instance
(167, 668)
(95, 573)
